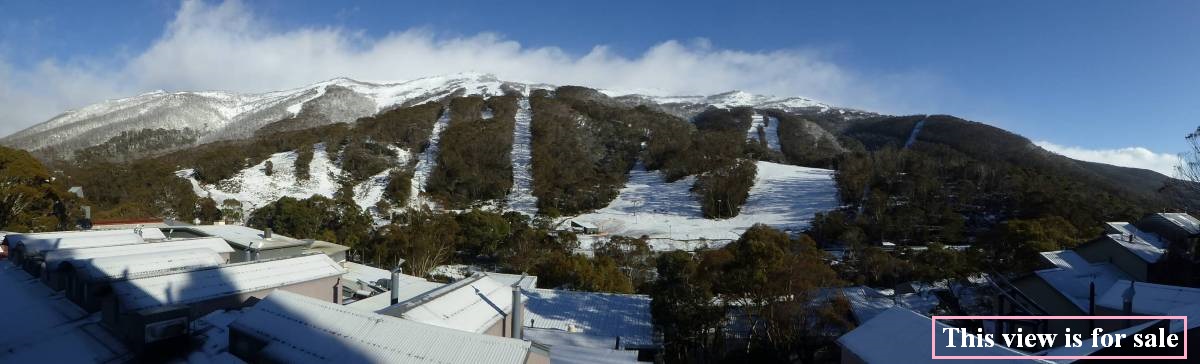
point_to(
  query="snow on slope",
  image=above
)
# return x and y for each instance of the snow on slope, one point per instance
(426, 162)
(783, 196)
(521, 198)
(770, 127)
(254, 188)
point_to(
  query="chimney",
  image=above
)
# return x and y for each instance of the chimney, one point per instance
(518, 310)
(1128, 306)
(267, 233)
(395, 283)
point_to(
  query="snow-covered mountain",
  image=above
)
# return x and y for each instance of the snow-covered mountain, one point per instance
(218, 115)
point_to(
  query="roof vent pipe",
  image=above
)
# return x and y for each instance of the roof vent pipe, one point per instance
(267, 233)
(395, 283)
(518, 310)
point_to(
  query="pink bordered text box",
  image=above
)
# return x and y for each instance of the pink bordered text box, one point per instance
(933, 338)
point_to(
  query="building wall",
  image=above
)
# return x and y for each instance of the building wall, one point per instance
(1104, 250)
(536, 357)
(1052, 301)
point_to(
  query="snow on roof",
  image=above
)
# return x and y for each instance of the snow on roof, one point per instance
(1183, 220)
(1192, 312)
(203, 284)
(1148, 298)
(1074, 283)
(56, 257)
(567, 354)
(356, 272)
(900, 335)
(408, 290)
(149, 264)
(1137, 246)
(305, 330)
(867, 302)
(35, 244)
(526, 281)
(1088, 347)
(41, 326)
(584, 224)
(1065, 259)
(1129, 229)
(246, 237)
(600, 315)
(473, 305)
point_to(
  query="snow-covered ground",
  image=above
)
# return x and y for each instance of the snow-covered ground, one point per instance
(783, 196)
(254, 188)
(770, 128)
(426, 162)
(521, 198)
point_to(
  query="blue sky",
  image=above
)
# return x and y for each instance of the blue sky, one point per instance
(1094, 75)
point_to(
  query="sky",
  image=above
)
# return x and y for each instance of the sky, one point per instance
(1106, 81)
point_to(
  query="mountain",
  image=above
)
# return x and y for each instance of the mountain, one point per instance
(194, 118)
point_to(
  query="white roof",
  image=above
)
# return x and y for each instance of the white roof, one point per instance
(1129, 229)
(867, 302)
(245, 236)
(305, 330)
(584, 224)
(361, 272)
(565, 354)
(408, 290)
(40, 325)
(899, 335)
(1183, 220)
(1137, 246)
(1065, 259)
(149, 264)
(473, 305)
(35, 244)
(1148, 298)
(204, 284)
(526, 281)
(1074, 283)
(600, 315)
(217, 245)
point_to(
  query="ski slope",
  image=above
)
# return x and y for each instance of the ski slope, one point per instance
(769, 126)
(520, 198)
(426, 162)
(783, 196)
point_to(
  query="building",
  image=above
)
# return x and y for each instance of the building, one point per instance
(28, 250)
(291, 328)
(477, 304)
(86, 282)
(146, 310)
(588, 320)
(41, 326)
(584, 227)
(899, 335)
(53, 261)
(248, 243)
(337, 252)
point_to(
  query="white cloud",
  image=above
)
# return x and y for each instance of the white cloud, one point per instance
(227, 47)
(1136, 157)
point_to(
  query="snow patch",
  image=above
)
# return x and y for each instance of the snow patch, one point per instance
(783, 196)
(427, 161)
(520, 198)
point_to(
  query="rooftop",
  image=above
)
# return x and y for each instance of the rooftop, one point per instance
(302, 329)
(1136, 245)
(38, 243)
(1074, 283)
(245, 237)
(473, 305)
(51, 329)
(596, 315)
(907, 336)
(64, 255)
(1065, 259)
(1148, 298)
(1182, 220)
(202, 284)
(867, 302)
(149, 264)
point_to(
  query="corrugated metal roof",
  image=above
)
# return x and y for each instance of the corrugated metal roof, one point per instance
(1066, 259)
(603, 315)
(36, 244)
(1183, 220)
(40, 325)
(408, 290)
(1148, 298)
(473, 305)
(203, 284)
(245, 237)
(305, 330)
(58, 256)
(565, 354)
(899, 335)
(1074, 283)
(1139, 247)
(148, 264)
